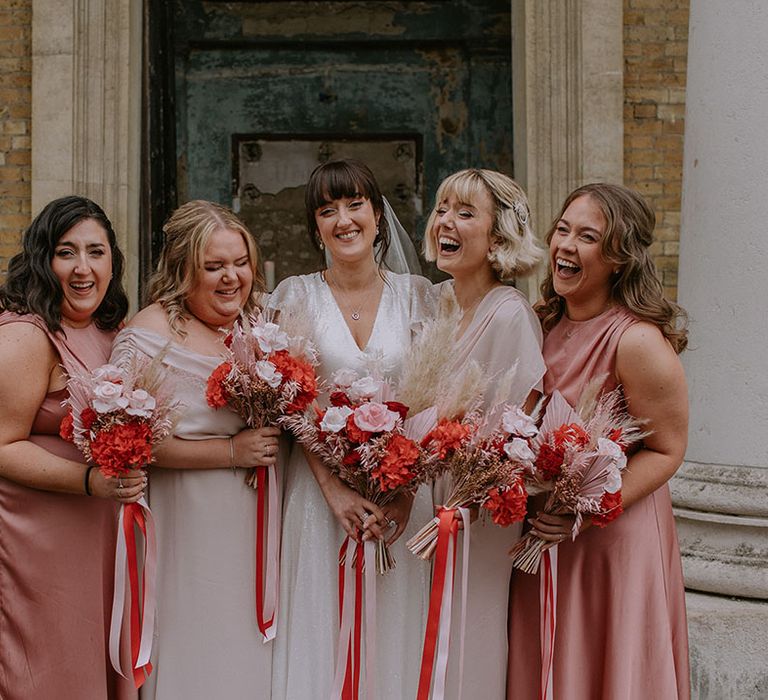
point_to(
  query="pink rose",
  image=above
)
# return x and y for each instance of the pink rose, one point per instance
(375, 418)
(108, 397)
(140, 403)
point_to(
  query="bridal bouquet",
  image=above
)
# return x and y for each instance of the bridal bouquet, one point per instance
(486, 472)
(579, 460)
(266, 377)
(116, 415)
(369, 442)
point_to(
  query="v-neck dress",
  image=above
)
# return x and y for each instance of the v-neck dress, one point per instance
(305, 647)
(207, 643)
(57, 554)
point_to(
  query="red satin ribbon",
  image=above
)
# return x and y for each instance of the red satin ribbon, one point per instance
(548, 621)
(261, 536)
(351, 688)
(448, 528)
(135, 514)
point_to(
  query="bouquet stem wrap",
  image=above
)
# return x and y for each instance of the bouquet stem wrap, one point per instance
(357, 583)
(142, 613)
(437, 636)
(267, 569)
(548, 620)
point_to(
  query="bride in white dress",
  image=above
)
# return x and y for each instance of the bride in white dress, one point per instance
(359, 314)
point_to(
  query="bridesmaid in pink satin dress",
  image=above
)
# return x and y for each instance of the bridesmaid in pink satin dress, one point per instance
(61, 305)
(621, 626)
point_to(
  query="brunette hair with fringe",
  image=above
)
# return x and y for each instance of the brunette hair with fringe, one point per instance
(31, 287)
(515, 251)
(630, 222)
(336, 179)
(187, 232)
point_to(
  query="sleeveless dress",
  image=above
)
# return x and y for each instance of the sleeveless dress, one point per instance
(621, 625)
(307, 634)
(207, 643)
(57, 560)
(504, 330)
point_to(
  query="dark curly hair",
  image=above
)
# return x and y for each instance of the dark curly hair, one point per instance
(335, 179)
(630, 222)
(31, 287)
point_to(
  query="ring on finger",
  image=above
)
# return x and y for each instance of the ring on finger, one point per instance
(119, 483)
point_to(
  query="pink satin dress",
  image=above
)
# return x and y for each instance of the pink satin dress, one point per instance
(56, 563)
(621, 624)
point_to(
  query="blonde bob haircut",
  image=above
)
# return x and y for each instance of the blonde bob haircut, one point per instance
(514, 252)
(187, 233)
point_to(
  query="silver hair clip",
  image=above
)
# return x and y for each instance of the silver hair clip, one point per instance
(522, 212)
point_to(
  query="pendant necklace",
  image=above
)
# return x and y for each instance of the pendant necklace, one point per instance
(354, 314)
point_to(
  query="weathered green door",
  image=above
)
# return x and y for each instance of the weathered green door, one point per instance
(424, 82)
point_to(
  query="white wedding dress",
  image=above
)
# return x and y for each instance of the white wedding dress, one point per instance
(305, 647)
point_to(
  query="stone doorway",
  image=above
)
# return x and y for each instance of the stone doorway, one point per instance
(360, 77)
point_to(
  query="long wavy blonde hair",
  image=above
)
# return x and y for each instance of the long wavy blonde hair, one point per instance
(630, 222)
(515, 251)
(187, 233)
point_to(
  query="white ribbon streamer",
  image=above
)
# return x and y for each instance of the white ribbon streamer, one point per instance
(148, 593)
(272, 573)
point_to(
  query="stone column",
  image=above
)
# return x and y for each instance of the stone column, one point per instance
(567, 92)
(721, 492)
(86, 111)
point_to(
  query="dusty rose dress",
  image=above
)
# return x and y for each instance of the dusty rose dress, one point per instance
(56, 563)
(621, 626)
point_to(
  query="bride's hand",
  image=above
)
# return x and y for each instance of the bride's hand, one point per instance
(353, 512)
(396, 515)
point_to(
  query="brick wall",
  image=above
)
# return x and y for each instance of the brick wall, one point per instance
(655, 52)
(15, 122)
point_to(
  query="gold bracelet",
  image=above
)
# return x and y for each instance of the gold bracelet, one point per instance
(231, 452)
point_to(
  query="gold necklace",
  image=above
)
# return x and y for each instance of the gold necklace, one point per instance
(354, 314)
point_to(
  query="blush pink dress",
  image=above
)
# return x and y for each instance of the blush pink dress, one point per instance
(621, 625)
(56, 562)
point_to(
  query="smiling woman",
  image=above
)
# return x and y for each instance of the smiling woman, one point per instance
(61, 305)
(360, 313)
(480, 233)
(209, 644)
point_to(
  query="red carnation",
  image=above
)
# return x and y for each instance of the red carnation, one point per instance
(340, 398)
(122, 447)
(549, 461)
(447, 437)
(67, 429)
(351, 459)
(611, 507)
(88, 417)
(509, 505)
(215, 393)
(356, 434)
(300, 371)
(397, 407)
(394, 468)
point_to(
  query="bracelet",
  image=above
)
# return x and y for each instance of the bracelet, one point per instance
(86, 480)
(231, 452)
